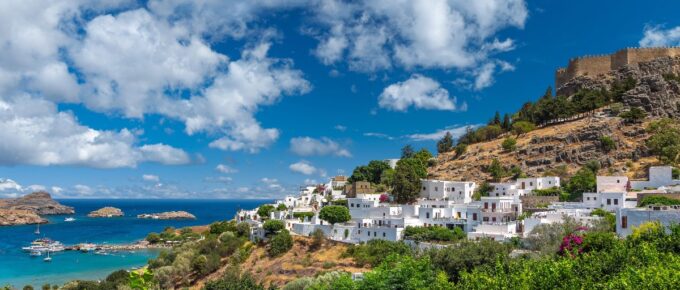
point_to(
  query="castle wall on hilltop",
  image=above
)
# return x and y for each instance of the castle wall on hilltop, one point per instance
(601, 64)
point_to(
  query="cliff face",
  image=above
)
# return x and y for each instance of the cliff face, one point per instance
(562, 149)
(39, 202)
(9, 217)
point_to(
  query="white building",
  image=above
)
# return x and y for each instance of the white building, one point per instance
(612, 184)
(557, 216)
(629, 218)
(456, 191)
(392, 162)
(658, 176)
(524, 186)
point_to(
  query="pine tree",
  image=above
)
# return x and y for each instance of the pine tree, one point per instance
(445, 144)
(506, 122)
(496, 119)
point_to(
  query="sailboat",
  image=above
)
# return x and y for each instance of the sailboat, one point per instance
(37, 230)
(48, 258)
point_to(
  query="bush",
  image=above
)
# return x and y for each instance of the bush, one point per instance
(374, 251)
(435, 233)
(509, 144)
(265, 210)
(318, 238)
(243, 229)
(665, 140)
(273, 226)
(234, 280)
(466, 255)
(522, 127)
(304, 215)
(153, 238)
(609, 217)
(658, 200)
(280, 244)
(335, 214)
(460, 149)
(281, 207)
(607, 144)
(634, 115)
(223, 226)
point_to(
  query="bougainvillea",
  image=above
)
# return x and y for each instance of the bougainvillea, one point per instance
(384, 198)
(572, 243)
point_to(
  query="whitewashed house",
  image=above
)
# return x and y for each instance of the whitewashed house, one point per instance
(612, 183)
(456, 191)
(658, 176)
(629, 218)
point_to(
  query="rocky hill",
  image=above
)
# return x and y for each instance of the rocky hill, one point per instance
(106, 212)
(39, 202)
(563, 148)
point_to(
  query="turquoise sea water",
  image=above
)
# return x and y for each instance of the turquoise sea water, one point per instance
(18, 268)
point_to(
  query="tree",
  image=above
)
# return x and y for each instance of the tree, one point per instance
(509, 144)
(582, 181)
(496, 170)
(153, 238)
(318, 238)
(467, 255)
(243, 229)
(506, 125)
(371, 172)
(407, 178)
(460, 149)
(281, 207)
(634, 115)
(335, 214)
(522, 127)
(265, 210)
(407, 152)
(273, 226)
(424, 156)
(280, 244)
(607, 144)
(665, 140)
(387, 176)
(445, 144)
(496, 119)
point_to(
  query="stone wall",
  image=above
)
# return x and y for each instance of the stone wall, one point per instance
(601, 64)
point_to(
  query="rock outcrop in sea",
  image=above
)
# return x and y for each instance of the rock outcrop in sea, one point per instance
(169, 215)
(106, 212)
(29, 208)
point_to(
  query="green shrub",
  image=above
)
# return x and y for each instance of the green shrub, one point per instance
(658, 200)
(609, 217)
(374, 251)
(607, 144)
(280, 243)
(273, 226)
(434, 234)
(509, 144)
(335, 214)
(304, 215)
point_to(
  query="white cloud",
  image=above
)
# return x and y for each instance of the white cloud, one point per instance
(223, 168)
(268, 180)
(418, 91)
(307, 146)
(340, 128)
(9, 185)
(456, 132)
(151, 178)
(658, 36)
(310, 181)
(303, 167)
(371, 35)
(33, 132)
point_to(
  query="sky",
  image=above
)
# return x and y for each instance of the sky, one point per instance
(252, 99)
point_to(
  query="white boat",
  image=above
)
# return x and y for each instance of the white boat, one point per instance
(48, 258)
(37, 230)
(36, 253)
(44, 245)
(69, 219)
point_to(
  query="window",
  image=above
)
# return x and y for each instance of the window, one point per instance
(624, 222)
(436, 188)
(424, 188)
(458, 214)
(486, 219)
(486, 205)
(531, 183)
(588, 198)
(609, 201)
(493, 219)
(616, 201)
(383, 234)
(618, 181)
(368, 233)
(427, 215)
(594, 198)
(474, 216)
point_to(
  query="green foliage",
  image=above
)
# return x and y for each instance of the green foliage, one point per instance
(657, 200)
(205, 264)
(665, 140)
(408, 174)
(582, 181)
(265, 210)
(509, 144)
(445, 144)
(671, 77)
(305, 215)
(371, 172)
(281, 207)
(607, 144)
(335, 214)
(483, 190)
(435, 233)
(553, 191)
(496, 170)
(467, 255)
(374, 251)
(634, 115)
(153, 238)
(222, 226)
(280, 243)
(522, 127)
(141, 281)
(407, 152)
(273, 226)
(609, 217)
(243, 229)
(404, 272)
(675, 173)
(330, 280)
(460, 149)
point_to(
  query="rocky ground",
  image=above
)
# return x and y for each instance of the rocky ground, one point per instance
(562, 149)
(106, 212)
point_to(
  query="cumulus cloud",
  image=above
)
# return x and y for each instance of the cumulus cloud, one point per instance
(33, 131)
(456, 132)
(372, 35)
(658, 36)
(303, 167)
(418, 91)
(307, 146)
(151, 178)
(223, 168)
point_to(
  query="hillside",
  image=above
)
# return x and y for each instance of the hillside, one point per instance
(296, 263)
(563, 148)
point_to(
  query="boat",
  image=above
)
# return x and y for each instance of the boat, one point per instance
(37, 230)
(48, 258)
(44, 245)
(69, 219)
(36, 253)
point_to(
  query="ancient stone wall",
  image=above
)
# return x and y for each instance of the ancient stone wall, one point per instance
(601, 64)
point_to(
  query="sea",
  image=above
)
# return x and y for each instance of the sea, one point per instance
(18, 268)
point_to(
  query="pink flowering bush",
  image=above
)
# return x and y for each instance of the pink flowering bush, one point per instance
(384, 198)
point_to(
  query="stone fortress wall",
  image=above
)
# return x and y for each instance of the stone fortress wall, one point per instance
(593, 65)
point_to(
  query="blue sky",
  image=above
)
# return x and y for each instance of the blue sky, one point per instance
(250, 99)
